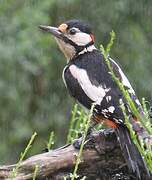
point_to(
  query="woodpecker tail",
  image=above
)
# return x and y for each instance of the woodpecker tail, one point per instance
(131, 154)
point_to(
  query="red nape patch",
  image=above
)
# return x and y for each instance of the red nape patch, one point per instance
(92, 37)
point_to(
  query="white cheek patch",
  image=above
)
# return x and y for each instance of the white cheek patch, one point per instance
(95, 93)
(80, 38)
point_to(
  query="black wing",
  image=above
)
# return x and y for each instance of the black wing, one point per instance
(89, 80)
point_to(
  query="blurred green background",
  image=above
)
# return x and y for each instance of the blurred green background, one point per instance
(32, 94)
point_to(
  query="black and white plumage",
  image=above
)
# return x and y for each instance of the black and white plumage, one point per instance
(89, 81)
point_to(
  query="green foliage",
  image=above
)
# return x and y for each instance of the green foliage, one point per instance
(70, 135)
(30, 79)
(35, 172)
(120, 85)
(144, 120)
(51, 141)
(32, 94)
(78, 159)
(77, 123)
(22, 156)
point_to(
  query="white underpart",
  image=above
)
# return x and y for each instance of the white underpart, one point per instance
(67, 49)
(95, 93)
(111, 109)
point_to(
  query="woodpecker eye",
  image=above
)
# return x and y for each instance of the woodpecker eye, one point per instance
(72, 31)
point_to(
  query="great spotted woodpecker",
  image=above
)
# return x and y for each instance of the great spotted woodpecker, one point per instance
(89, 81)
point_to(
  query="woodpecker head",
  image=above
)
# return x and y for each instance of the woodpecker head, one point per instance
(74, 37)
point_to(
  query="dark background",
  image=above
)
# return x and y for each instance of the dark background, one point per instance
(32, 94)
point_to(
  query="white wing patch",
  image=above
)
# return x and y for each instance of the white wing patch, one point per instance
(111, 109)
(95, 93)
(108, 98)
(137, 101)
(125, 81)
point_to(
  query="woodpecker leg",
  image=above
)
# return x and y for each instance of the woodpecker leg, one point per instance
(45, 150)
(88, 142)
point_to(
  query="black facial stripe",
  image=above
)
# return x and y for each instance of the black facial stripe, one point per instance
(68, 41)
(80, 48)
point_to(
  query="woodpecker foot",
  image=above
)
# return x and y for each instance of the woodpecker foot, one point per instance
(45, 150)
(89, 143)
(77, 143)
(89, 140)
(96, 141)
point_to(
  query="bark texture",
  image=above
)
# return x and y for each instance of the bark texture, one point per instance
(101, 159)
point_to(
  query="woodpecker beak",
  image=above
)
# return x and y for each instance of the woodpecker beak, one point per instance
(53, 30)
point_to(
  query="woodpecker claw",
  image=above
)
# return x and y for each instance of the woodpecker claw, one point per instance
(77, 143)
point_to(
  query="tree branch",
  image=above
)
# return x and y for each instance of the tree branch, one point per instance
(101, 157)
